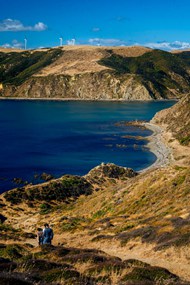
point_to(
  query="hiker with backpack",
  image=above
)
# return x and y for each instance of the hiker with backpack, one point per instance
(47, 234)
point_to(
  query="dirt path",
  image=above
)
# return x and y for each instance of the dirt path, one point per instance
(176, 260)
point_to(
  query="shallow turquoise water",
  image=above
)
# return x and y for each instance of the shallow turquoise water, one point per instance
(61, 137)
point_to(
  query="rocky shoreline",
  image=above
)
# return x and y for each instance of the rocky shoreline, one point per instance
(158, 146)
(156, 143)
(83, 100)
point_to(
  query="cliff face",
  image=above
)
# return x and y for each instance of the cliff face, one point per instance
(95, 73)
(88, 86)
(177, 120)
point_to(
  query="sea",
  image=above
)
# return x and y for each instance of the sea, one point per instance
(71, 137)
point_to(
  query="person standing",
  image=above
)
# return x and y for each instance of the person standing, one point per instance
(40, 236)
(47, 234)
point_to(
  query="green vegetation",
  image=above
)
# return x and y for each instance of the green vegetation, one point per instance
(6, 228)
(17, 67)
(58, 274)
(70, 266)
(66, 188)
(72, 224)
(12, 251)
(185, 140)
(151, 274)
(153, 68)
(8, 232)
(45, 208)
(15, 196)
(177, 120)
(179, 180)
(99, 214)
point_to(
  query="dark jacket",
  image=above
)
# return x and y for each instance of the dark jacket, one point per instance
(47, 236)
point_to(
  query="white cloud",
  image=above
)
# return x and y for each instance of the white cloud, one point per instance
(120, 18)
(96, 29)
(169, 45)
(106, 42)
(6, 45)
(14, 44)
(10, 25)
(39, 27)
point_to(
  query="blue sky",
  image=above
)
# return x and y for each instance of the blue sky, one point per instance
(160, 24)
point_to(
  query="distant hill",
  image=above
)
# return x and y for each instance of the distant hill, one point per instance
(95, 73)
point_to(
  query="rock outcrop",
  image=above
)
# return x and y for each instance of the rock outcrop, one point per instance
(110, 170)
(102, 85)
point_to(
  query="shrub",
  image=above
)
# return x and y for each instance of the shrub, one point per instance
(45, 208)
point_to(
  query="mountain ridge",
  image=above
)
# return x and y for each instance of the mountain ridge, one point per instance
(95, 73)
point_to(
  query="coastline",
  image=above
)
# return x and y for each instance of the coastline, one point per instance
(158, 146)
(154, 145)
(84, 100)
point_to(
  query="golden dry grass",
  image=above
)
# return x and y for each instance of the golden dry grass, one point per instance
(84, 59)
(7, 50)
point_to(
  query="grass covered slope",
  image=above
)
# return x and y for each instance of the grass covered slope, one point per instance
(63, 189)
(158, 71)
(73, 266)
(101, 73)
(17, 67)
(122, 216)
(177, 120)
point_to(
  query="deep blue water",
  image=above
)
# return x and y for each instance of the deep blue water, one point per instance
(60, 137)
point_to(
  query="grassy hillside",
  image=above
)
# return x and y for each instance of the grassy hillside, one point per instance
(130, 72)
(177, 120)
(16, 67)
(161, 69)
(124, 218)
(58, 190)
(73, 266)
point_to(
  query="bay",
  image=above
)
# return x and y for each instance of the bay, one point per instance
(70, 137)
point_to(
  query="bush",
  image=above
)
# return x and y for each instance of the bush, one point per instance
(45, 208)
(150, 274)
